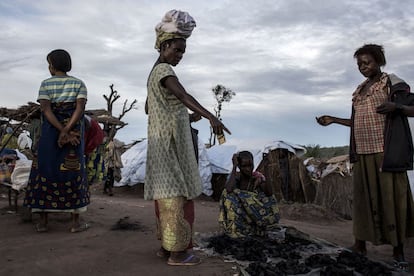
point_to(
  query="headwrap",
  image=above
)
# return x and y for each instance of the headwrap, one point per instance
(174, 24)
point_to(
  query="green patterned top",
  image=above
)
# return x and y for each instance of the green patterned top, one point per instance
(171, 168)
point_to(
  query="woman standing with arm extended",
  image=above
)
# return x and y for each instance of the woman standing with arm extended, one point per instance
(172, 175)
(58, 180)
(382, 151)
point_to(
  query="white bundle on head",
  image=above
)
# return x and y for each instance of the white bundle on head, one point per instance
(174, 24)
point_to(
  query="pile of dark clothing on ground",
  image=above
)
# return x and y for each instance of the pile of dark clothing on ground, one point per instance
(294, 255)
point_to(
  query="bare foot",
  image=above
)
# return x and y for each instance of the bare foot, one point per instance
(359, 247)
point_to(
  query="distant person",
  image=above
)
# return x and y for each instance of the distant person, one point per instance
(9, 140)
(382, 151)
(113, 164)
(94, 136)
(57, 180)
(172, 175)
(247, 204)
(34, 128)
(24, 141)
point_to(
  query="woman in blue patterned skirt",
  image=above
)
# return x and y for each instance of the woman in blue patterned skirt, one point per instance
(58, 180)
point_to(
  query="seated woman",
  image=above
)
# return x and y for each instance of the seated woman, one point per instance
(247, 206)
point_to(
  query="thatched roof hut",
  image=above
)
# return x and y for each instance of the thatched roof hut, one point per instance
(32, 110)
(288, 176)
(103, 116)
(334, 188)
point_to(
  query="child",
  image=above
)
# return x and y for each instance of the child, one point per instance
(247, 206)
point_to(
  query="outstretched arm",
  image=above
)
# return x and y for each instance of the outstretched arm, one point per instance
(326, 120)
(173, 85)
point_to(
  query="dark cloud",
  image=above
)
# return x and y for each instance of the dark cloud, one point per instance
(287, 61)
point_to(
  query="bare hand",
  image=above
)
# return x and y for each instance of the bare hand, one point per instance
(73, 138)
(194, 117)
(235, 159)
(324, 120)
(218, 127)
(62, 139)
(386, 107)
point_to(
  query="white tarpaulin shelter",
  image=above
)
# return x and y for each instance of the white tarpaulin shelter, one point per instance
(295, 149)
(217, 159)
(134, 161)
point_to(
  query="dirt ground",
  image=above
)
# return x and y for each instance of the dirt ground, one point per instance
(103, 251)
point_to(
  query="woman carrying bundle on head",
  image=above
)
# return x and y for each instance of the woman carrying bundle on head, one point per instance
(172, 175)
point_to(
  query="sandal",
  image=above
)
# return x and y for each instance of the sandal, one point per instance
(82, 227)
(162, 253)
(40, 228)
(189, 260)
(400, 263)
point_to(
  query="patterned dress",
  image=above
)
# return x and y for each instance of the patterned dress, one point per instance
(58, 180)
(247, 212)
(171, 169)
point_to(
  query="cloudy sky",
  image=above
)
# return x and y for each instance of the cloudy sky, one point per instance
(287, 60)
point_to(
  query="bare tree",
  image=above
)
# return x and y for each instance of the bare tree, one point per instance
(221, 94)
(113, 96)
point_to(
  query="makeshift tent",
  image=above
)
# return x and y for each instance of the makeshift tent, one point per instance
(215, 163)
(134, 161)
(333, 180)
(286, 173)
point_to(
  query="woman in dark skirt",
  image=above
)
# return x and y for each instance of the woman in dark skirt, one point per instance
(58, 180)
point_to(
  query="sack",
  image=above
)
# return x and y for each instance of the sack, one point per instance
(5, 174)
(20, 174)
